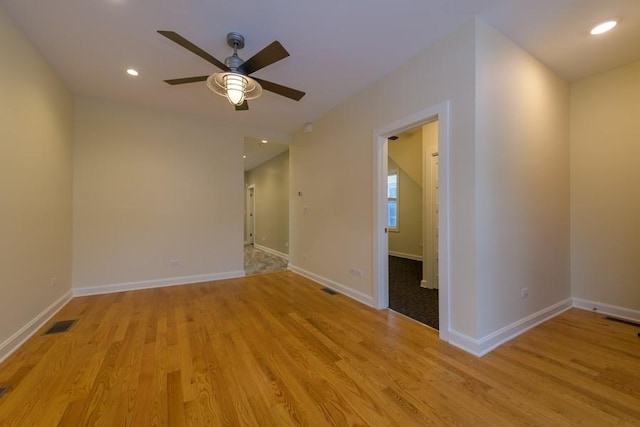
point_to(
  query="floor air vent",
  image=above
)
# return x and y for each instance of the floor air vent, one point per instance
(329, 291)
(58, 327)
(4, 390)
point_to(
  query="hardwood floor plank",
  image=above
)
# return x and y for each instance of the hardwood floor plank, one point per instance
(175, 400)
(612, 403)
(72, 413)
(275, 350)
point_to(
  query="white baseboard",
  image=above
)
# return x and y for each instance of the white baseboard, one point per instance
(353, 294)
(482, 346)
(424, 284)
(271, 251)
(407, 256)
(156, 283)
(12, 343)
(609, 310)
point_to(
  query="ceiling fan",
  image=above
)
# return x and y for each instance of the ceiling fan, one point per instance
(234, 81)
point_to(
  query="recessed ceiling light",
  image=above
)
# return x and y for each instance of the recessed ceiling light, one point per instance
(244, 157)
(264, 141)
(603, 27)
(132, 72)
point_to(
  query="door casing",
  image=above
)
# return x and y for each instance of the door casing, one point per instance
(380, 242)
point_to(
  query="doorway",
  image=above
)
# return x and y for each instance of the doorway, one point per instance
(266, 177)
(412, 229)
(439, 113)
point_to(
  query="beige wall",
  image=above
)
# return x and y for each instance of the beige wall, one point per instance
(407, 240)
(271, 182)
(405, 152)
(605, 188)
(522, 146)
(405, 156)
(151, 186)
(333, 169)
(509, 180)
(35, 183)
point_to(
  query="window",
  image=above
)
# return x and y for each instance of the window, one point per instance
(392, 200)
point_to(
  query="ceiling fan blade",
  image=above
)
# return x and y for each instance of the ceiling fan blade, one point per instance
(186, 80)
(267, 56)
(242, 107)
(177, 38)
(288, 92)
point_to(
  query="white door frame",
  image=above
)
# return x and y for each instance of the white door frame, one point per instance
(430, 248)
(251, 214)
(380, 242)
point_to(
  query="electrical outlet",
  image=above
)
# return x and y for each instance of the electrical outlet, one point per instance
(174, 262)
(356, 272)
(53, 281)
(524, 293)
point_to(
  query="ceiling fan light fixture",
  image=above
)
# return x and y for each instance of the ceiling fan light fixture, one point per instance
(234, 82)
(234, 86)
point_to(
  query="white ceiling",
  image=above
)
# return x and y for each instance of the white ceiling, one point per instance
(337, 47)
(256, 152)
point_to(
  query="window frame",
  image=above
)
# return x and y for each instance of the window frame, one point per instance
(396, 228)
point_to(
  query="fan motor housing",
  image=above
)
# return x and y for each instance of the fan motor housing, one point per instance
(233, 62)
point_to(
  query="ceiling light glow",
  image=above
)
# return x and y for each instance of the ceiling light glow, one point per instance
(603, 27)
(235, 87)
(132, 72)
(264, 141)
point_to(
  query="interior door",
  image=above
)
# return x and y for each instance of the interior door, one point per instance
(251, 206)
(435, 211)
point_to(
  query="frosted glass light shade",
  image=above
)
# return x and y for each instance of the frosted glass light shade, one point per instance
(233, 86)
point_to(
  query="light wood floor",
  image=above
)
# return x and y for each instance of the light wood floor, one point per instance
(274, 350)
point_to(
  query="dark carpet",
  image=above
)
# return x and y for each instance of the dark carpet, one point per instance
(405, 294)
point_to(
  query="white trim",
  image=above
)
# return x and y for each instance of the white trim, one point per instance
(610, 310)
(380, 241)
(380, 238)
(396, 172)
(406, 256)
(358, 296)
(250, 219)
(482, 346)
(430, 213)
(156, 283)
(271, 251)
(12, 343)
(424, 284)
